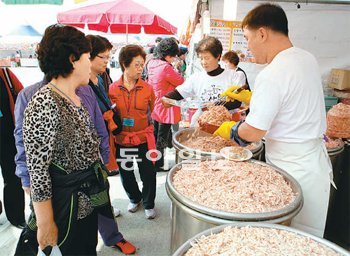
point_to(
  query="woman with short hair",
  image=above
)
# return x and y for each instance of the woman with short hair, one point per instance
(163, 78)
(99, 58)
(68, 180)
(208, 85)
(134, 100)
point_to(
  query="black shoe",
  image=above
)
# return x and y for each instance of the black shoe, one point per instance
(20, 225)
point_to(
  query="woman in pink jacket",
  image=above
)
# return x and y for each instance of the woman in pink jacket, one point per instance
(163, 77)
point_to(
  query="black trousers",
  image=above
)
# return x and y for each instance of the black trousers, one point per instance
(27, 244)
(147, 171)
(163, 134)
(13, 192)
(84, 240)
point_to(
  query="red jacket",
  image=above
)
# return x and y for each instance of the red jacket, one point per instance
(136, 104)
(164, 79)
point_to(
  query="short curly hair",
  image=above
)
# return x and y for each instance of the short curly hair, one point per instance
(210, 44)
(166, 47)
(232, 57)
(99, 44)
(128, 53)
(56, 47)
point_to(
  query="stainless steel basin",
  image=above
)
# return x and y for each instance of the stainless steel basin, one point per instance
(190, 218)
(185, 153)
(187, 245)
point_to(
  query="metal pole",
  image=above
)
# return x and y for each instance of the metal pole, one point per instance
(127, 34)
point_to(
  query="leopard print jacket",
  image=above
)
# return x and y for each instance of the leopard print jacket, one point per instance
(56, 131)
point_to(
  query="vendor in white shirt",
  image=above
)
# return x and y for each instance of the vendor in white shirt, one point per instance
(287, 108)
(210, 83)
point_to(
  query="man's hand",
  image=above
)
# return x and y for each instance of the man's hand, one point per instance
(26, 190)
(224, 130)
(242, 96)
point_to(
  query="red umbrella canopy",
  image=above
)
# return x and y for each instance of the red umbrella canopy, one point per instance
(120, 16)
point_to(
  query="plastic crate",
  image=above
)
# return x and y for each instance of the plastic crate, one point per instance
(330, 101)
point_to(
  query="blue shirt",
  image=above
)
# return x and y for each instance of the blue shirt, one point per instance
(87, 97)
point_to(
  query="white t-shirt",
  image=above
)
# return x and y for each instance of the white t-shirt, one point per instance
(288, 98)
(206, 88)
(239, 78)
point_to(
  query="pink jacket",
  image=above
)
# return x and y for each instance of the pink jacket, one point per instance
(163, 79)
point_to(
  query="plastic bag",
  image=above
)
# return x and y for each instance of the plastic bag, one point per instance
(55, 251)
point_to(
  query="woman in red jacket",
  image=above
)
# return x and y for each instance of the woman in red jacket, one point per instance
(163, 78)
(134, 101)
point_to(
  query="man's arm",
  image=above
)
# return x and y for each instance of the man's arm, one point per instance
(250, 133)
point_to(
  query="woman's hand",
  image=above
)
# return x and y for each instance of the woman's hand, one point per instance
(166, 102)
(47, 230)
(47, 235)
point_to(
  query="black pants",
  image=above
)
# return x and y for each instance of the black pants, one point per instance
(27, 244)
(147, 174)
(13, 192)
(84, 240)
(162, 133)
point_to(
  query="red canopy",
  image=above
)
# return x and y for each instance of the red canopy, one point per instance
(120, 16)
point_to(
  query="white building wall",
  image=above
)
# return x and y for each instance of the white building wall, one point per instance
(322, 29)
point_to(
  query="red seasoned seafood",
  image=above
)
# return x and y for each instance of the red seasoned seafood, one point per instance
(212, 143)
(215, 115)
(208, 144)
(338, 121)
(243, 187)
(334, 143)
(247, 241)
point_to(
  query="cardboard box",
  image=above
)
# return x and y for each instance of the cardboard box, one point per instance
(339, 79)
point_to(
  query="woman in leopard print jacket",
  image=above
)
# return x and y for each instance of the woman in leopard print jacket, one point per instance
(62, 147)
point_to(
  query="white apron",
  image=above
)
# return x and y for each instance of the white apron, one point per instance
(310, 165)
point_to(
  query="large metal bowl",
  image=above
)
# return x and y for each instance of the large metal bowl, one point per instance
(185, 153)
(337, 149)
(236, 216)
(190, 218)
(334, 153)
(187, 245)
